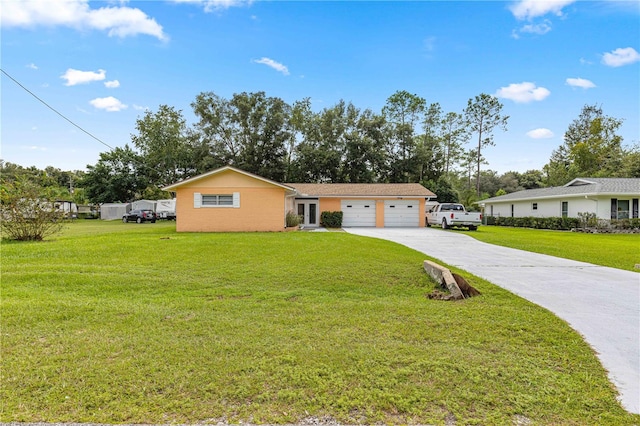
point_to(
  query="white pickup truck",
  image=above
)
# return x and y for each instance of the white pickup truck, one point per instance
(450, 214)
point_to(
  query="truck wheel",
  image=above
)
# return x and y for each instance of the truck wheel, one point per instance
(124, 220)
(139, 220)
(473, 228)
(444, 224)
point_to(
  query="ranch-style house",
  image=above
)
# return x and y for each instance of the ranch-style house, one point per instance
(232, 200)
(607, 198)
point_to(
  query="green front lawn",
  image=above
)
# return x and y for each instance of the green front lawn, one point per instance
(620, 251)
(115, 323)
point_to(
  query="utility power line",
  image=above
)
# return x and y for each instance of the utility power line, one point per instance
(55, 110)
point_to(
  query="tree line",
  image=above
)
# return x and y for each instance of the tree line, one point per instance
(409, 140)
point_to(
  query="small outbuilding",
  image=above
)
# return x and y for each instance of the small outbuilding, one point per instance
(114, 211)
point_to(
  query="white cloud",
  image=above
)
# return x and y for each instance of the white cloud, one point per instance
(620, 57)
(112, 84)
(523, 92)
(541, 133)
(273, 64)
(140, 108)
(120, 21)
(109, 103)
(32, 66)
(529, 9)
(74, 77)
(580, 82)
(214, 5)
(540, 29)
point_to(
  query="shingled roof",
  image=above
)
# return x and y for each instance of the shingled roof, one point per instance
(577, 187)
(361, 190)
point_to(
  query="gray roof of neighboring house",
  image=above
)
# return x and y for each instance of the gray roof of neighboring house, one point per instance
(361, 189)
(577, 187)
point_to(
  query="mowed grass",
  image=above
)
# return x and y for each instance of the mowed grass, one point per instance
(620, 251)
(127, 323)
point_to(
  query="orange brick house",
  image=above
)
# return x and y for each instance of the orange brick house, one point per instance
(232, 200)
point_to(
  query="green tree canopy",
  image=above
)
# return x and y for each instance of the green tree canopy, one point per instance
(116, 177)
(591, 148)
(483, 114)
(166, 146)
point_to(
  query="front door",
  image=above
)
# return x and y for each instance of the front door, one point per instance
(308, 211)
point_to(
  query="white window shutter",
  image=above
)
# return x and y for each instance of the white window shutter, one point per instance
(197, 200)
(236, 200)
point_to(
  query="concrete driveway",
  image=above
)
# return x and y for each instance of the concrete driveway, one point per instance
(602, 304)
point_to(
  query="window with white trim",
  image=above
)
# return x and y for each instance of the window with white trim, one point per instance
(216, 200)
(534, 206)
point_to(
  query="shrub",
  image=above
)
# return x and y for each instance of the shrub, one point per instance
(556, 223)
(292, 220)
(625, 223)
(331, 219)
(588, 220)
(26, 214)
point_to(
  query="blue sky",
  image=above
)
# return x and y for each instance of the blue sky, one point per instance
(101, 64)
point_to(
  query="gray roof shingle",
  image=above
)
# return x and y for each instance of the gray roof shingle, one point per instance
(362, 189)
(578, 186)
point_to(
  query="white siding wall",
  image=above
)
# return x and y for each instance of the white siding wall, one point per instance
(551, 208)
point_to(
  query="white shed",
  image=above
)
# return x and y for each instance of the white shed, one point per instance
(114, 211)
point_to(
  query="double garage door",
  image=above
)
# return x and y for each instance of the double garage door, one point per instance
(397, 213)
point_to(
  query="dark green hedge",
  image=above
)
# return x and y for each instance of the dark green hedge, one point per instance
(559, 223)
(626, 224)
(331, 219)
(563, 223)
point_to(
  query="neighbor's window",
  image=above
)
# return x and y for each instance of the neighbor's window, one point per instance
(565, 209)
(217, 200)
(534, 206)
(623, 209)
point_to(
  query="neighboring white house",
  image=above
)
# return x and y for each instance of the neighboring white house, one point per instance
(608, 198)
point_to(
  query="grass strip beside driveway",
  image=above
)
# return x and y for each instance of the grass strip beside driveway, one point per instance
(620, 251)
(126, 323)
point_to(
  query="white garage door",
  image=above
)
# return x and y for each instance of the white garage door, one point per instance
(358, 213)
(401, 213)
